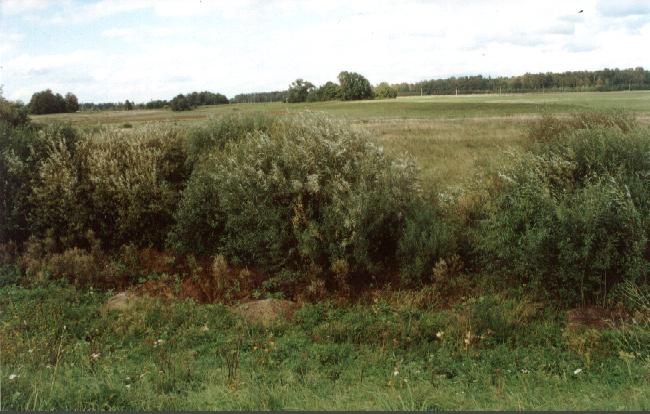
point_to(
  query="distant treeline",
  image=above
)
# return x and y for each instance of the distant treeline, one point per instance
(576, 81)
(353, 86)
(260, 97)
(179, 103)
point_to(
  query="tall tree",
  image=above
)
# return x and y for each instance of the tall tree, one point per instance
(71, 102)
(354, 86)
(298, 91)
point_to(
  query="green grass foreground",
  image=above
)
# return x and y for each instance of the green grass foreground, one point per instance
(400, 350)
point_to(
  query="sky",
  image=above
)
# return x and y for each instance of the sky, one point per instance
(113, 50)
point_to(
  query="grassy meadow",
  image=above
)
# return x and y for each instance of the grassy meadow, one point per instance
(468, 336)
(448, 135)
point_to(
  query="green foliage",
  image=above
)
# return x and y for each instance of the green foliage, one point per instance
(71, 103)
(326, 92)
(354, 86)
(218, 131)
(22, 150)
(571, 218)
(299, 90)
(122, 184)
(427, 237)
(13, 113)
(46, 102)
(181, 103)
(385, 91)
(309, 192)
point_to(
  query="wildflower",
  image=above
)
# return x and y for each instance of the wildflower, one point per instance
(205, 328)
(439, 334)
(128, 386)
(525, 371)
(395, 373)
(577, 371)
(30, 351)
(13, 377)
(95, 355)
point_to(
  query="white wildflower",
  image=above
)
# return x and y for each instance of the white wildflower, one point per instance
(94, 356)
(395, 373)
(13, 377)
(439, 334)
(577, 371)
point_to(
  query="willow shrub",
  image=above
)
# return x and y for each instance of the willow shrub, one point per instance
(309, 193)
(22, 149)
(571, 217)
(218, 131)
(123, 185)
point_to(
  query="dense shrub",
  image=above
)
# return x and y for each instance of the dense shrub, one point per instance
(571, 217)
(13, 113)
(427, 237)
(309, 192)
(218, 131)
(122, 184)
(22, 150)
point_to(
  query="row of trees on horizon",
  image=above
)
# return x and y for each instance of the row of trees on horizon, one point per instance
(354, 86)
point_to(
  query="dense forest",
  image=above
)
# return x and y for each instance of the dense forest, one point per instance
(575, 81)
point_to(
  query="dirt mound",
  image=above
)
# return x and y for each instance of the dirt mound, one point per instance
(120, 302)
(593, 317)
(266, 311)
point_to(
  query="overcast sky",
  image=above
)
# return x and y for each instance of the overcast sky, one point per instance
(112, 50)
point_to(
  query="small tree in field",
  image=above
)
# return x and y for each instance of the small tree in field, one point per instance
(180, 103)
(385, 91)
(298, 91)
(354, 86)
(46, 102)
(71, 102)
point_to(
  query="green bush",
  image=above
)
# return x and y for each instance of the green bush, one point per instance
(22, 150)
(123, 185)
(309, 192)
(427, 237)
(571, 217)
(218, 131)
(13, 113)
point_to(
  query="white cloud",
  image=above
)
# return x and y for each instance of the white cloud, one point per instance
(234, 47)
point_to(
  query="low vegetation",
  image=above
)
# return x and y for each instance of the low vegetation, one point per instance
(415, 294)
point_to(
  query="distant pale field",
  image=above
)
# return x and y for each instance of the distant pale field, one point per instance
(449, 136)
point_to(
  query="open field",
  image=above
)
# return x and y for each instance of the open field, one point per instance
(468, 336)
(448, 135)
(426, 107)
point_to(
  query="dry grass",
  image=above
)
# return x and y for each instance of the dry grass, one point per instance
(449, 152)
